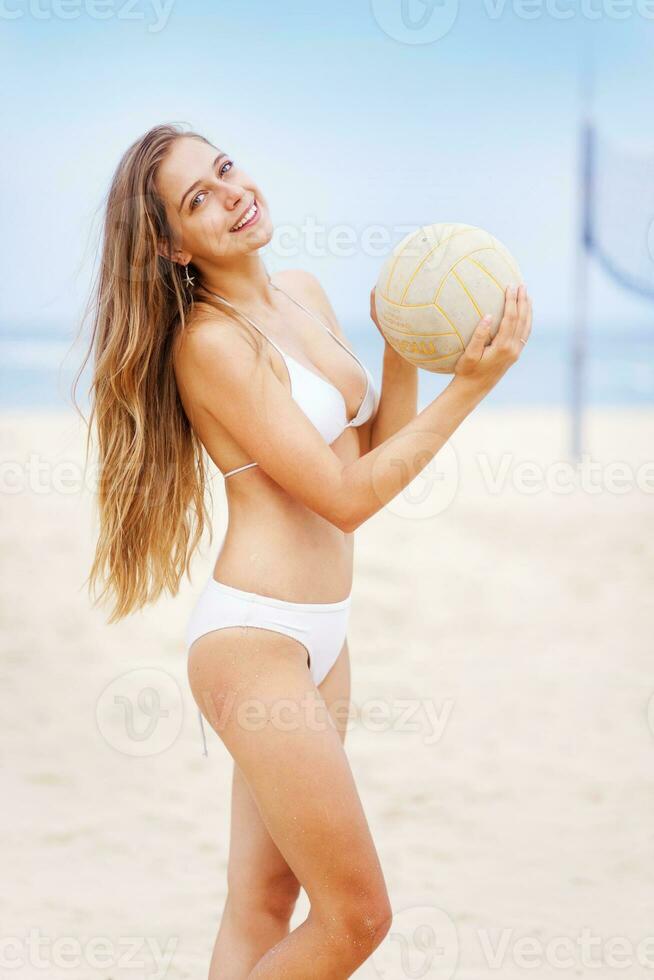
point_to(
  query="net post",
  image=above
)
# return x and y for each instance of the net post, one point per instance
(585, 236)
(580, 333)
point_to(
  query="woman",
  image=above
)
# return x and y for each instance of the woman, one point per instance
(197, 348)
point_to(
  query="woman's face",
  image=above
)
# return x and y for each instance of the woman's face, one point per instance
(206, 195)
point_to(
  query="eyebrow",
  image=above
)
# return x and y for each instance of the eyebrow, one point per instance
(198, 182)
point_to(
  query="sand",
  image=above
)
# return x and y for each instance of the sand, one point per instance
(503, 742)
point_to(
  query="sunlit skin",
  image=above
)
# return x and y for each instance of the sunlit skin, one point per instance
(276, 545)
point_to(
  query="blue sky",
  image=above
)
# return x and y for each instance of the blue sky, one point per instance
(335, 118)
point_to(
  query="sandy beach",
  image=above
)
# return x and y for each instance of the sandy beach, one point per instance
(502, 737)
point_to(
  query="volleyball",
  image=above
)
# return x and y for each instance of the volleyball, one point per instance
(435, 287)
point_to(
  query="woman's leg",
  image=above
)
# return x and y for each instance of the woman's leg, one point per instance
(262, 889)
(297, 771)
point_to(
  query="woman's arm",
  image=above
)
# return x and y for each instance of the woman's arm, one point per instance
(237, 389)
(398, 402)
(374, 479)
(371, 481)
(256, 408)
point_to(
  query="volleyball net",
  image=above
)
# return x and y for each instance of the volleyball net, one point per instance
(617, 232)
(619, 212)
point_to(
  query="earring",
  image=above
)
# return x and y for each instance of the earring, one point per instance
(189, 280)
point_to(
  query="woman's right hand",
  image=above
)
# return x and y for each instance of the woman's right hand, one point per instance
(484, 363)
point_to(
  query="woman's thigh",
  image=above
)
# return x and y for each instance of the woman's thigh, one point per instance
(257, 870)
(259, 696)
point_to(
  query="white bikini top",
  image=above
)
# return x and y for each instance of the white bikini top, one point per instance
(319, 399)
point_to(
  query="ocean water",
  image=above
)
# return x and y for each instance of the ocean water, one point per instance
(38, 364)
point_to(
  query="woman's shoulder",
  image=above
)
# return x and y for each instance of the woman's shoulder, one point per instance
(202, 316)
(208, 332)
(307, 288)
(303, 282)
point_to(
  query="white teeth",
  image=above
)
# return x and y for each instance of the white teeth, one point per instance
(246, 217)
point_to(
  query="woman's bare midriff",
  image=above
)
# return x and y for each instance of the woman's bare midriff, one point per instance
(276, 546)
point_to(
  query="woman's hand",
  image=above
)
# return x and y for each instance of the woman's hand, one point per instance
(484, 363)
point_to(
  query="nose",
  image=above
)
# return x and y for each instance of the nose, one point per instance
(233, 195)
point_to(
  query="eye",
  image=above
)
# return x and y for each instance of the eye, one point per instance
(226, 163)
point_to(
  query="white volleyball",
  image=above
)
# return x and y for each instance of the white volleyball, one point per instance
(436, 286)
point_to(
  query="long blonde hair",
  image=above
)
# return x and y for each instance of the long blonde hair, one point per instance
(152, 469)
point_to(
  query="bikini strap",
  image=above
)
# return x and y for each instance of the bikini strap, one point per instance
(303, 307)
(256, 326)
(321, 322)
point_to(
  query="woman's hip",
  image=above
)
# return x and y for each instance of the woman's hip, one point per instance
(319, 626)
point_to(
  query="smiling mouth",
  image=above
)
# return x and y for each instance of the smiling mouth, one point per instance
(248, 218)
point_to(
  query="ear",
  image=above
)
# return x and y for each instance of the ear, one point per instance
(173, 255)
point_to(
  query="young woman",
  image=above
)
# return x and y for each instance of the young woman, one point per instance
(197, 349)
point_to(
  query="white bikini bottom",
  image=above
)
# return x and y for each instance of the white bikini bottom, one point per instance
(319, 626)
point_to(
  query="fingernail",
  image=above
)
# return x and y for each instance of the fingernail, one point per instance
(488, 318)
